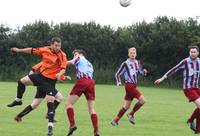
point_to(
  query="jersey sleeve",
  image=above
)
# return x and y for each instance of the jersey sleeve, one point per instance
(179, 66)
(119, 72)
(75, 60)
(141, 71)
(38, 51)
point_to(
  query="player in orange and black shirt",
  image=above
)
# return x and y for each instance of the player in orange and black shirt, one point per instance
(40, 95)
(53, 66)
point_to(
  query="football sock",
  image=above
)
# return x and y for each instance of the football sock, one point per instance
(194, 115)
(94, 119)
(25, 111)
(20, 89)
(70, 114)
(56, 103)
(137, 106)
(51, 111)
(120, 114)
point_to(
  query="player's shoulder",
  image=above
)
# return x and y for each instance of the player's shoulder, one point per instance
(44, 48)
(137, 61)
(185, 59)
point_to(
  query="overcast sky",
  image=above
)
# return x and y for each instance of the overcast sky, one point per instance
(106, 12)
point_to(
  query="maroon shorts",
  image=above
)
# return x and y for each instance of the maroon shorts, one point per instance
(131, 92)
(192, 94)
(85, 86)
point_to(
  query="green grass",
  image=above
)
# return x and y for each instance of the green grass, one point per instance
(165, 113)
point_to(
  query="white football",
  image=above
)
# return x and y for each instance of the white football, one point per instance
(125, 3)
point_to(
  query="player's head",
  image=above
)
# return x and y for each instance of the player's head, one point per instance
(56, 44)
(194, 51)
(132, 53)
(78, 52)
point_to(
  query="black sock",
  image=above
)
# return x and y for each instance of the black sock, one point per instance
(51, 111)
(56, 103)
(25, 111)
(20, 89)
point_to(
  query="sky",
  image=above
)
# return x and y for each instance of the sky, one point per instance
(16, 13)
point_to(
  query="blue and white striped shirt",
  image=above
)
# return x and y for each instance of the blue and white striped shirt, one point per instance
(130, 70)
(84, 68)
(190, 72)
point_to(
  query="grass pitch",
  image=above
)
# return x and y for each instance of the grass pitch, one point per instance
(165, 113)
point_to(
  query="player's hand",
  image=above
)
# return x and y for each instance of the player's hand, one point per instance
(14, 50)
(68, 78)
(145, 72)
(119, 83)
(58, 76)
(158, 81)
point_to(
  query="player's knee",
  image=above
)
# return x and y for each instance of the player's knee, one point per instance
(142, 101)
(60, 98)
(92, 112)
(126, 107)
(50, 98)
(69, 105)
(25, 80)
(34, 106)
(20, 82)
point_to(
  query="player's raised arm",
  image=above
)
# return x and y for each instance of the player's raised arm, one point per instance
(142, 71)
(24, 50)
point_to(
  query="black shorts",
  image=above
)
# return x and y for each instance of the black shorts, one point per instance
(47, 84)
(40, 93)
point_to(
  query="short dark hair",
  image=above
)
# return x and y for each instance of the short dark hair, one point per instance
(80, 51)
(194, 47)
(56, 39)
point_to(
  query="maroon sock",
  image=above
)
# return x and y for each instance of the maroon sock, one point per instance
(137, 106)
(120, 114)
(70, 113)
(194, 115)
(94, 119)
(198, 121)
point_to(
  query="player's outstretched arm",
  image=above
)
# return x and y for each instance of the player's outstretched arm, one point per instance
(158, 81)
(65, 78)
(24, 50)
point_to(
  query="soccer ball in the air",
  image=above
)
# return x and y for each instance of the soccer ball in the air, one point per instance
(125, 3)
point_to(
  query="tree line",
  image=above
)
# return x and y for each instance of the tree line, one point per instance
(160, 45)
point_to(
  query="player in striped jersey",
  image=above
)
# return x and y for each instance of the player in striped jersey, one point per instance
(191, 72)
(130, 69)
(84, 85)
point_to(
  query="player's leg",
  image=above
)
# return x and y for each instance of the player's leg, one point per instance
(35, 103)
(194, 96)
(89, 93)
(138, 105)
(58, 99)
(197, 131)
(195, 115)
(50, 112)
(49, 87)
(121, 112)
(93, 116)
(22, 83)
(39, 96)
(71, 100)
(141, 101)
